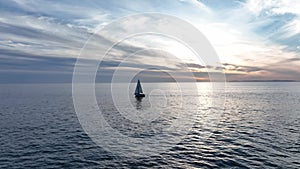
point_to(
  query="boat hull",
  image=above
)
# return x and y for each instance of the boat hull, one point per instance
(140, 95)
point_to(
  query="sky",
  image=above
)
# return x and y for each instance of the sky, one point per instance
(254, 39)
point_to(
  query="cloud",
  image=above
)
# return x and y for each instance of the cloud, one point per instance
(286, 11)
(254, 39)
(241, 68)
(195, 65)
(291, 60)
(14, 60)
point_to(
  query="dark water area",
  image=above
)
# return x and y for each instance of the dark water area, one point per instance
(259, 128)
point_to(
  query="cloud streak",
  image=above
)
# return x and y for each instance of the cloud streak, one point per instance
(254, 39)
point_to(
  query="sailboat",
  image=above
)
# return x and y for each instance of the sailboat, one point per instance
(138, 90)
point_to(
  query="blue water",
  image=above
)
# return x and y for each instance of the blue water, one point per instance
(258, 127)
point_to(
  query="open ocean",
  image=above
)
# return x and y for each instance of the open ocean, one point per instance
(258, 127)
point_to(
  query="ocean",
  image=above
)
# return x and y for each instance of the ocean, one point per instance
(249, 125)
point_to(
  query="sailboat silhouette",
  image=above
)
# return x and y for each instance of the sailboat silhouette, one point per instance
(138, 90)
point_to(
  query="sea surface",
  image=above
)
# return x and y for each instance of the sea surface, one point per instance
(249, 125)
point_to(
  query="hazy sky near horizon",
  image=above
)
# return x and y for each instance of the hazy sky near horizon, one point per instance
(254, 39)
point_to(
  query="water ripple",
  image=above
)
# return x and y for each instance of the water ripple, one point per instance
(39, 129)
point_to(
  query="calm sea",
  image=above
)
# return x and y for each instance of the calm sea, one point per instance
(250, 125)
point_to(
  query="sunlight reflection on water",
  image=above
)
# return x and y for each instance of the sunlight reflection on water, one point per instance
(259, 127)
